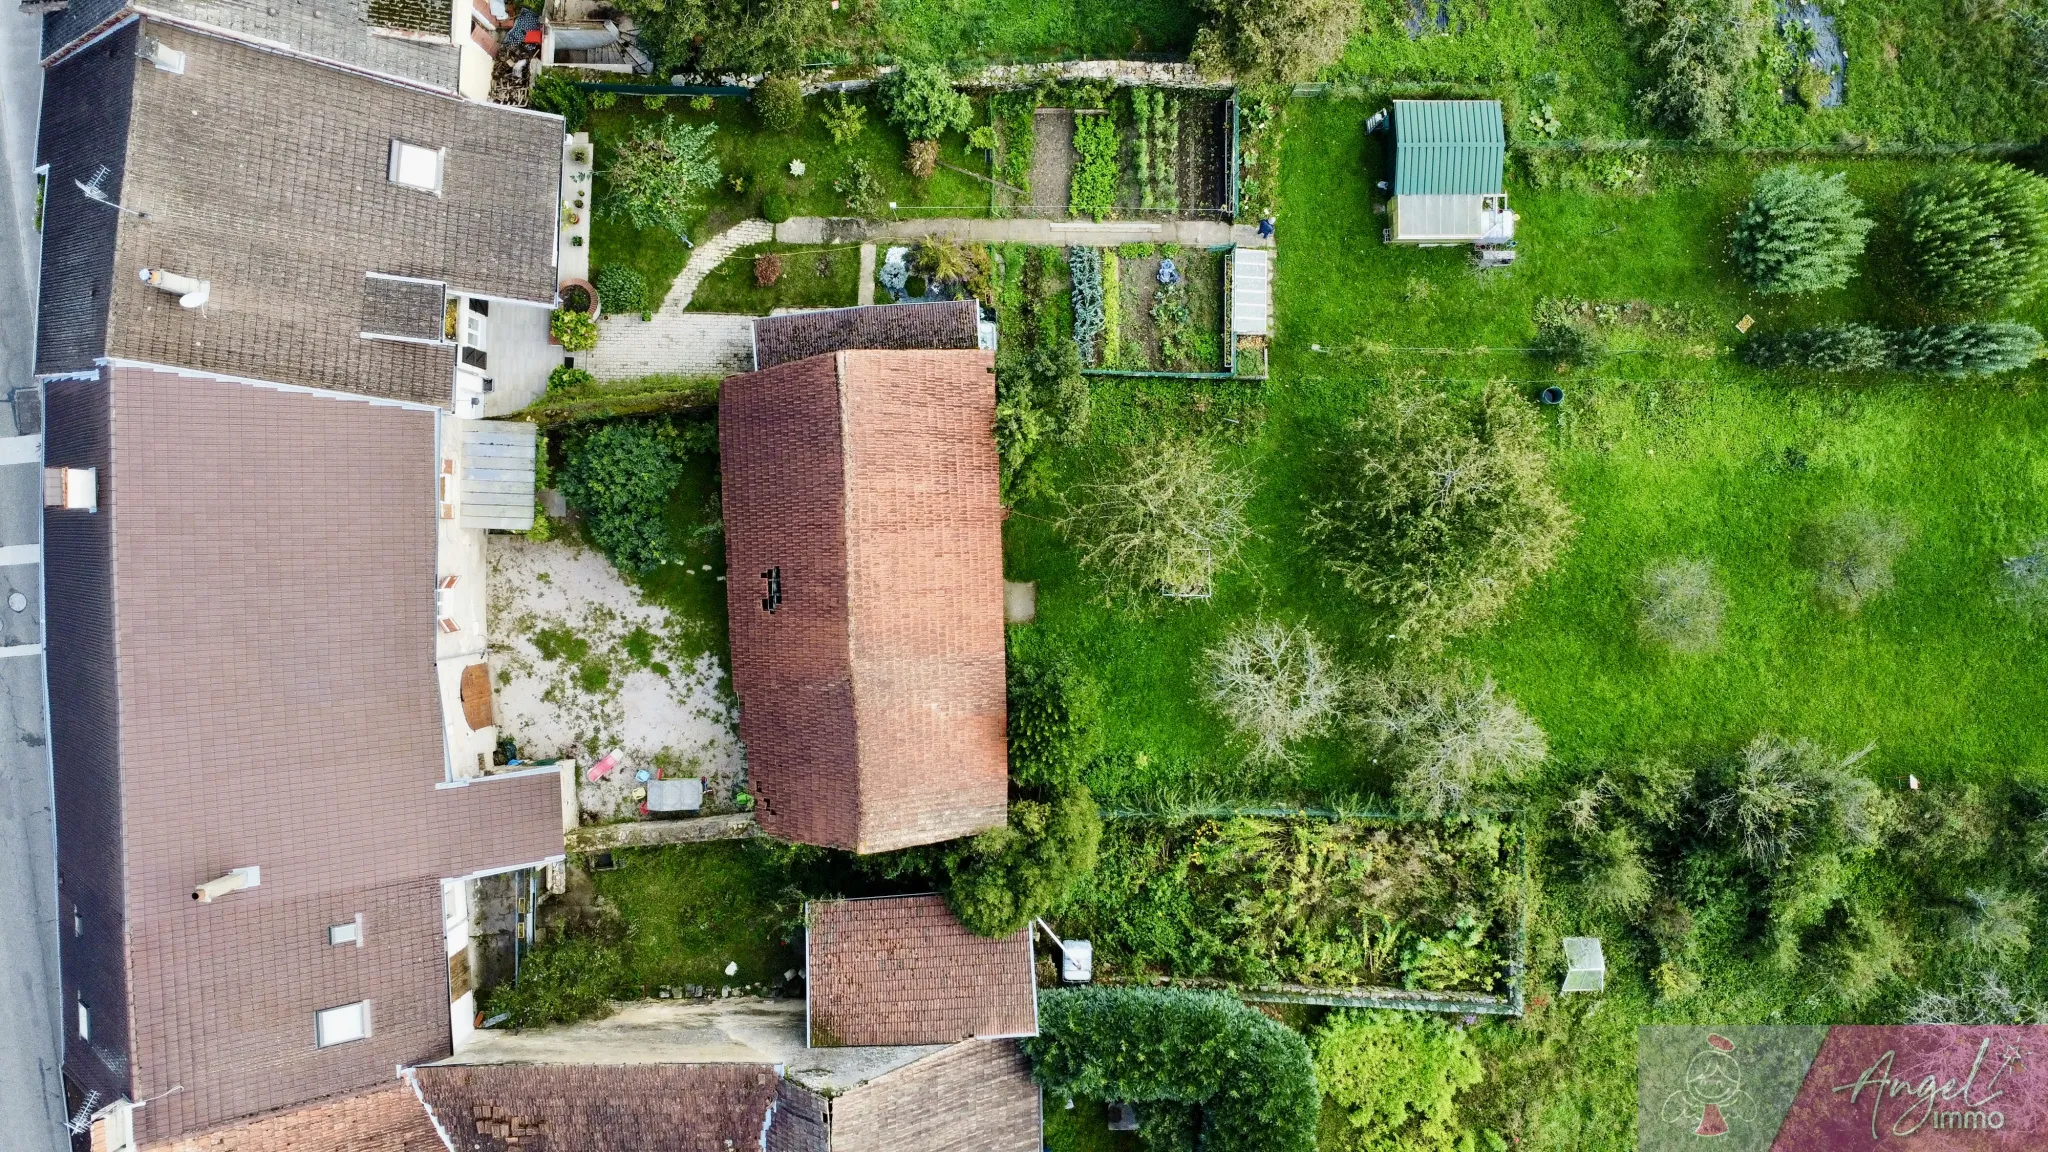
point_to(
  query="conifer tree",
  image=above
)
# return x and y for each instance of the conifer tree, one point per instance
(1800, 232)
(1966, 349)
(1976, 234)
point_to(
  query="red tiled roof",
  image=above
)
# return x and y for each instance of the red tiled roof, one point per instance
(903, 970)
(387, 1119)
(600, 1108)
(976, 1095)
(872, 697)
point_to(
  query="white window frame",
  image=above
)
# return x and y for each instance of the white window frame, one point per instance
(404, 168)
(341, 1024)
(346, 932)
(84, 1019)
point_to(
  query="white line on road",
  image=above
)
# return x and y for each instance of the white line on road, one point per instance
(21, 450)
(20, 650)
(14, 554)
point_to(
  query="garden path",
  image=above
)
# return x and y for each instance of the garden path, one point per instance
(1052, 162)
(674, 340)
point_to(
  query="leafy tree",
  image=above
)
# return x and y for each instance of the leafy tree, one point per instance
(779, 100)
(710, 37)
(657, 172)
(564, 979)
(1165, 519)
(1455, 742)
(997, 881)
(1397, 1075)
(1439, 511)
(1275, 684)
(1975, 234)
(555, 92)
(1841, 348)
(1780, 795)
(1696, 49)
(1852, 554)
(1800, 232)
(921, 100)
(1680, 606)
(1271, 41)
(621, 288)
(1207, 1070)
(620, 476)
(1966, 349)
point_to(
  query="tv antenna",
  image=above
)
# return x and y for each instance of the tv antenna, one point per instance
(95, 190)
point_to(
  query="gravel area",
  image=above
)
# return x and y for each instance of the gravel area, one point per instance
(584, 665)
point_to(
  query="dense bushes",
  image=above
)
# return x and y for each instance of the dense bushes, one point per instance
(574, 330)
(1205, 1070)
(1041, 396)
(1455, 741)
(1800, 232)
(779, 100)
(563, 979)
(1697, 50)
(921, 100)
(1941, 349)
(1271, 41)
(1438, 510)
(1096, 143)
(1397, 1076)
(555, 92)
(1327, 903)
(710, 37)
(1975, 234)
(657, 173)
(619, 477)
(1164, 519)
(621, 289)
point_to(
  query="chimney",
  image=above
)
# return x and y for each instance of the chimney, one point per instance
(190, 293)
(234, 881)
(166, 59)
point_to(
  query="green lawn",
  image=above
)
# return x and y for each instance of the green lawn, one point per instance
(970, 32)
(759, 160)
(811, 278)
(694, 908)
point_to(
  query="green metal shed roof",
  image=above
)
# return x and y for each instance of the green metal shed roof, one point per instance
(1448, 147)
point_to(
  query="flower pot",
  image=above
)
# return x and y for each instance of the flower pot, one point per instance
(567, 290)
(1551, 395)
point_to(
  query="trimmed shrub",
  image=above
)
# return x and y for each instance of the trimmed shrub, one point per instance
(921, 159)
(620, 476)
(1397, 1076)
(1800, 232)
(1096, 145)
(1966, 349)
(1852, 555)
(1680, 606)
(1975, 234)
(767, 269)
(1275, 685)
(779, 101)
(564, 380)
(1166, 519)
(1439, 511)
(775, 206)
(1055, 718)
(621, 288)
(1841, 348)
(1206, 1070)
(921, 100)
(656, 173)
(1455, 742)
(573, 329)
(1271, 41)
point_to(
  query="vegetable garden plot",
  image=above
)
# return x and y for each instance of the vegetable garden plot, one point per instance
(1401, 913)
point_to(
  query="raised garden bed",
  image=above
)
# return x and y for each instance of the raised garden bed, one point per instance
(1321, 909)
(1139, 346)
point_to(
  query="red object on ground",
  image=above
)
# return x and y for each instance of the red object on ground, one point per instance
(602, 768)
(643, 809)
(533, 36)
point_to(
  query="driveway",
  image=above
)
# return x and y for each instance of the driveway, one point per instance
(31, 1087)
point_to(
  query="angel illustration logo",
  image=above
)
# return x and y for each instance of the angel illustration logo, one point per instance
(1712, 1096)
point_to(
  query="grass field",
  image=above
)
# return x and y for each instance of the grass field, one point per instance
(811, 278)
(968, 32)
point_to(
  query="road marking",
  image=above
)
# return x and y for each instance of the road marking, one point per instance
(21, 650)
(14, 554)
(21, 450)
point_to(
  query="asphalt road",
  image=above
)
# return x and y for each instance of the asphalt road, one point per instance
(31, 1017)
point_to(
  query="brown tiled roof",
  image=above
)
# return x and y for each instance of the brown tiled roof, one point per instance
(262, 649)
(386, 1119)
(872, 698)
(266, 175)
(975, 1095)
(903, 970)
(600, 1108)
(800, 335)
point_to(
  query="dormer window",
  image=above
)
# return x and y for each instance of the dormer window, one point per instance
(416, 166)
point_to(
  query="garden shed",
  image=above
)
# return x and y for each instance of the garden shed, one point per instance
(1448, 159)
